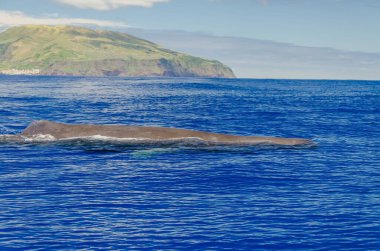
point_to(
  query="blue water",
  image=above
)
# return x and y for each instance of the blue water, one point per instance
(107, 197)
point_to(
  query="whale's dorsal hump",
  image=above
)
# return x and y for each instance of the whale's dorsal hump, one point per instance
(39, 127)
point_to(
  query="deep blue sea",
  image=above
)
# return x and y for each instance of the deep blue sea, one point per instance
(104, 196)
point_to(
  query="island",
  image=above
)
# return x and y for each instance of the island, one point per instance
(78, 51)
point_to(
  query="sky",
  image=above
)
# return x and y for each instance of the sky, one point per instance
(258, 38)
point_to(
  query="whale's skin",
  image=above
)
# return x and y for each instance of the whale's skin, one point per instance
(10, 138)
(65, 131)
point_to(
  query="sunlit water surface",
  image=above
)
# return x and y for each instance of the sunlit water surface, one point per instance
(109, 196)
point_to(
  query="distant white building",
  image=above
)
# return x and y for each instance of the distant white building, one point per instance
(20, 72)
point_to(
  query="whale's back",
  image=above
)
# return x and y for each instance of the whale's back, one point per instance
(58, 131)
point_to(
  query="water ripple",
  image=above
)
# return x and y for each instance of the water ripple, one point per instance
(103, 196)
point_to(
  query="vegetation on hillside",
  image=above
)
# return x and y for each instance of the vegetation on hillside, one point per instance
(68, 50)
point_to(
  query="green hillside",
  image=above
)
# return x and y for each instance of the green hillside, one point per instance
(68, 50)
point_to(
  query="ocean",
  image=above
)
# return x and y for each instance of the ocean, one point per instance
(100, 195)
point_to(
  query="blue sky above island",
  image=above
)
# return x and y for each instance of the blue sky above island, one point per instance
(257, 38)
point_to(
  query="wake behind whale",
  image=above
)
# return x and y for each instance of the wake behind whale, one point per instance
(47, 131)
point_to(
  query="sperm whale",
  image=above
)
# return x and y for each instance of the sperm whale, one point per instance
(58, 131)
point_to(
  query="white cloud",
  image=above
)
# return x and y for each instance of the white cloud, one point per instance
(15, 18)
(109, 4)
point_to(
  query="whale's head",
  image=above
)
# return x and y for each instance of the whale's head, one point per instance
(41, 127)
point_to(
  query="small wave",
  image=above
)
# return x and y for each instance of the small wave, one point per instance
(99, 139)
(40, 138)
(5, 130)
(146, 153)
